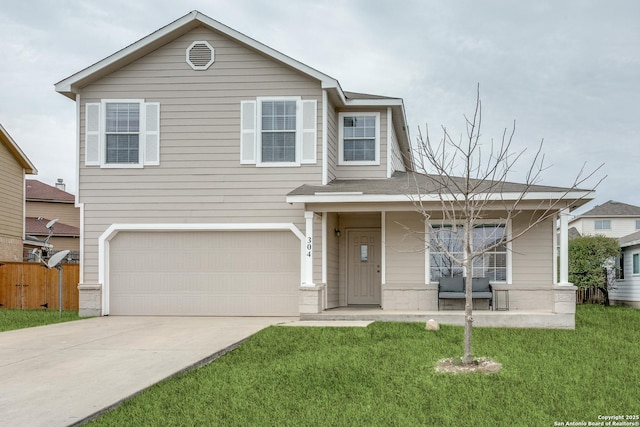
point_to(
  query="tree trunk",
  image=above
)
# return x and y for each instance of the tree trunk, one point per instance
(468, 315)
(605, 293)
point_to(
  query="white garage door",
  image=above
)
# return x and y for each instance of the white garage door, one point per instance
(208, 273)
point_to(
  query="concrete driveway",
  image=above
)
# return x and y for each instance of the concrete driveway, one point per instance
(58, 375)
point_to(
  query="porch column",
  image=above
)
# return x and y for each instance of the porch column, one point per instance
(308, 250)
(564, 247)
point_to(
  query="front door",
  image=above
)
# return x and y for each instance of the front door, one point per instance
(363, 267)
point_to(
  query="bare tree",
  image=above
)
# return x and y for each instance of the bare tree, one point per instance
(467, 181)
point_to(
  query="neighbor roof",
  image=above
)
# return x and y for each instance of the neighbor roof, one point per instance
(17, 153)
(34, 227)
(36, 190)
(612, 208)
(630, 239)
(404, 185)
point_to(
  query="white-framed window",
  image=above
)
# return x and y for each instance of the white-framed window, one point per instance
(122, 133)
(445, 238)
(278, 131)
(637, 224)
(359, 138)
(635, 264)
(602, 224)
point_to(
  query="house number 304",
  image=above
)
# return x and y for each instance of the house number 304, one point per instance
(309, 247)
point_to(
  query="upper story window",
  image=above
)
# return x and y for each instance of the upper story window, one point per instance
(359, 138)
(602, 224)
(122, 134)
(637, 224)
(278, 131)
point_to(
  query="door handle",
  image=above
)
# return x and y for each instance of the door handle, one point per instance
(378, 267)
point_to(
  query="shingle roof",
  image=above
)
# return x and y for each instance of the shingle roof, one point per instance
(36, 190)
(34, 227)
(409, 183)
(612, 208)
(357, 95)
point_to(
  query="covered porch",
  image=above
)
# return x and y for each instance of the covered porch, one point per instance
(367, 256)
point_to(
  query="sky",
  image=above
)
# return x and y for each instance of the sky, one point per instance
(564, 71)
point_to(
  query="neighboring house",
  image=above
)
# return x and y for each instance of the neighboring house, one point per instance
(218, 176)
(627, 289)
(14, 165)
(611, 219)
(45, 203)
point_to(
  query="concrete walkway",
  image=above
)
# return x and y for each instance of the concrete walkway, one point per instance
(58, 375)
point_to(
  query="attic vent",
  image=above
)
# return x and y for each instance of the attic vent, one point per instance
(200, 55)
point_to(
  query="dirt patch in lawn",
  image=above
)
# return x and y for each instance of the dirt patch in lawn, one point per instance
(480, 365)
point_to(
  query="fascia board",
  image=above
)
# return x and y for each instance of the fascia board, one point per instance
(369, 198)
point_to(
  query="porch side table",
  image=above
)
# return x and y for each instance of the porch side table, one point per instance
(501, 299)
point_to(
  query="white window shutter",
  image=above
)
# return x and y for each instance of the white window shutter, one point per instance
(151, 133)
(309, 131)
(248, 132)
(92, 134)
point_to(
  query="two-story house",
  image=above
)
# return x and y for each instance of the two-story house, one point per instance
(14, 165)
(45, 203)
(611, 219)
(218, 176)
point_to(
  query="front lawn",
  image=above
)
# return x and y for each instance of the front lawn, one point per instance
(384, 375)
(17, 319)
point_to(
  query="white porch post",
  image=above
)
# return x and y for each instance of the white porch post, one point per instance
(308, 250)
(564, 247)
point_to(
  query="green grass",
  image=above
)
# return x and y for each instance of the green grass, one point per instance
(17, 319)
(384, 375)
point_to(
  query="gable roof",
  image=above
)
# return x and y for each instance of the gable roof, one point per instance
(70, 86)
(406, 186)
(612, 209)
(17, 153)
(39, 191)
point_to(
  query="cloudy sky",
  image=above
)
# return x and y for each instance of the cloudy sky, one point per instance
(567, 71)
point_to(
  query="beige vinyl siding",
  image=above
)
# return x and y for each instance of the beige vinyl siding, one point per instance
(366, 171)
(60, 243)
(333, 261)
(405, 250)
(533, 255)
(332, 140)
(397, 163)
(67, 213)
(11, 195)
(200, 178)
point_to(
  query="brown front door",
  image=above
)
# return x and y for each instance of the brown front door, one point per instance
(363, 267)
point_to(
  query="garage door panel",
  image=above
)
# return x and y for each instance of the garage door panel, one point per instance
(204, 273)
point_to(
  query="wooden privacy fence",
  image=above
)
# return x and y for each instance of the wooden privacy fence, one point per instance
(589, 296)
(26, 285)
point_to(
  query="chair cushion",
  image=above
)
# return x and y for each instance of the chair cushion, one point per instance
(482, 295)
(451, 284)
(451, 295)
(481, 284)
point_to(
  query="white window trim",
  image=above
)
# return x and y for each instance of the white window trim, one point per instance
(341, 160)
(103, 134)
(601, 221)
(633, 254)
(509, 245)
(297, 162)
